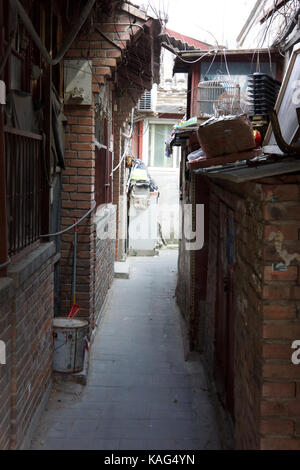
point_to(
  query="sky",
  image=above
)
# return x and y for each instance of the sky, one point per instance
(205, 20)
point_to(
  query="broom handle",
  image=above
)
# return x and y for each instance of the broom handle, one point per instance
(74, 265)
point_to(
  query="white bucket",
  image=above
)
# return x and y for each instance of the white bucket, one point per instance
(69, 344)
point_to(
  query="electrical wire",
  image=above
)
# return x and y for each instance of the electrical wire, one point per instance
(71, 226)
(172, 47)
(58, 233)
(198, 59)
(3, 265)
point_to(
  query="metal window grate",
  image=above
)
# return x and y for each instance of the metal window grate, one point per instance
(23, 188)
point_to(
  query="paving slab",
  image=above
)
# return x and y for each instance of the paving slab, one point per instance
(140, 391)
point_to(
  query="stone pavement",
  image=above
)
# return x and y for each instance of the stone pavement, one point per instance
(141, 394)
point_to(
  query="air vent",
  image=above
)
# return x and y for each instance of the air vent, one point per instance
(145, 103)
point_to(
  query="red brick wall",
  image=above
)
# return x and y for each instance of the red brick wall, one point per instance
(246, 201)
(79, 179)
(267, 223)
(280, 401)
(32, 348)
(79, 176)
(77, 198)
(26, 314)
(5, 369)
(248, 321)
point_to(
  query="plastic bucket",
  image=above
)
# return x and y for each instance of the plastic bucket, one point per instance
(69, 344)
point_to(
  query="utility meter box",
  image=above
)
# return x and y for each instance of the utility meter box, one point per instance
(78, 82)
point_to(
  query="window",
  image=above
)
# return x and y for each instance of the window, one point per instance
(158, 134)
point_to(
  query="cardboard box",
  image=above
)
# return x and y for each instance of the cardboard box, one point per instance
(225, 135)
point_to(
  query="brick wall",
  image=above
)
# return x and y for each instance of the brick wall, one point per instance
(192, 265)
(6, 294)
(248, 321)
(32, 348)
(79, 177)
(26, 322)
(26, 314)
(78, 191)
(280, 401)
(105, 228)
(246, 202)
(266, 322)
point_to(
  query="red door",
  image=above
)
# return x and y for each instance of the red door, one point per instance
(224, 326)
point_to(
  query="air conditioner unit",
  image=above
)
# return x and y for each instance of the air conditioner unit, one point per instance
(145, 103)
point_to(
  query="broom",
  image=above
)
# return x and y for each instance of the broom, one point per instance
(75, 308)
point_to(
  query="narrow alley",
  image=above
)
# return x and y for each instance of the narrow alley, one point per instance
(141, 393)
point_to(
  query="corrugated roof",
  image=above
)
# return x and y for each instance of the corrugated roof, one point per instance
(182, 42)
